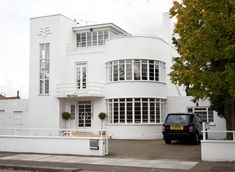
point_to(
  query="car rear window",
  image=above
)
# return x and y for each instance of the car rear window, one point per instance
(178, 119)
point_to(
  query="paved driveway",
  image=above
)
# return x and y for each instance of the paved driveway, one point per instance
(154, 149)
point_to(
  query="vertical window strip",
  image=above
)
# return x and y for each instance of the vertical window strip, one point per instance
(44, 68)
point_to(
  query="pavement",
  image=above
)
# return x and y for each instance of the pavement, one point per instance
(125, 156)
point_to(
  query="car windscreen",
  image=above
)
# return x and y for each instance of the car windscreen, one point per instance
(178, 119)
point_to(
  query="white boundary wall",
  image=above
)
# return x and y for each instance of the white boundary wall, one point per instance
(51, 145)
(217, 150)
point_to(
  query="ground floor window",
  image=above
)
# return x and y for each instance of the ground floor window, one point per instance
(206, 113)
(136, 110)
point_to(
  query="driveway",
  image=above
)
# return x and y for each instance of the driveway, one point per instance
(154, 149)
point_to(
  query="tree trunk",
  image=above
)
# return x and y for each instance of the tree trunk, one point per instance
(229, 115)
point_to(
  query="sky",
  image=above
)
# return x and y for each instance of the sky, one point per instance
(134, 16)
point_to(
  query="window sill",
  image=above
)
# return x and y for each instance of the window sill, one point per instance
(44, 95)
(133, 124)
(146, 81)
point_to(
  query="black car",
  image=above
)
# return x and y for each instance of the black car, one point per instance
(182, 126)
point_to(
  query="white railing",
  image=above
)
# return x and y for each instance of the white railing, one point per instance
(52, 132)
(72, 90)
(207, 132)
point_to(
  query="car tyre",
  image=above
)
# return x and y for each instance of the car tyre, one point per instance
(196, 139)
(167, 141)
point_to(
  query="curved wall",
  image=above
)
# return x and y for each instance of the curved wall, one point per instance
(136, 47)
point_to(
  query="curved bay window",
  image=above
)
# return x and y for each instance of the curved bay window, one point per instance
(135, 110)
(135, 69)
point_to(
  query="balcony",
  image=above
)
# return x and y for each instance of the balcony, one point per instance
(71, 90)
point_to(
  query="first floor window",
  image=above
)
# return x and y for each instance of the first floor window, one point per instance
(136, 110)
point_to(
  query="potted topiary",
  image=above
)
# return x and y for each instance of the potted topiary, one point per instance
(102, 116)
(66, 116)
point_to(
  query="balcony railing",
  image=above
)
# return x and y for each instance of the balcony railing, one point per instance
(92, 89)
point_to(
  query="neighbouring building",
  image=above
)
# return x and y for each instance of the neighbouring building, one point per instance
(90, 69)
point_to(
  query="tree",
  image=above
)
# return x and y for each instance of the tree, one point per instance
(206, 45)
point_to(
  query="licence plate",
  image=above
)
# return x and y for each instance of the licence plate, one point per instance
(176, 127)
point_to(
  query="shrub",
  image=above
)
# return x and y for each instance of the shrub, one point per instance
(66, 115)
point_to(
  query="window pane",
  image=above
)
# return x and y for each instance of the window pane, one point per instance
(115, 112)
(128, 69)
(129, 111)
(152, 112)
(83, 39)
(156, 72)
(100, 38)
(210, 114)
(144, 70)
(122, 112)
(121, 70)
(94, 38)
(46, 86)
(145, 111)
(88, 38)
(72, 111)
(136, 70)
(110, 71)
(115, 72)
(137, 112)
(151, 70)
(157, 106)
(84, 77)
(106, 35)
(79, 40)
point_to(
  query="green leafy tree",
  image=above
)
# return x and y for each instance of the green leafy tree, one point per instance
(206, 45)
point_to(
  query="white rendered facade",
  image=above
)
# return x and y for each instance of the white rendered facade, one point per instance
(86, 70)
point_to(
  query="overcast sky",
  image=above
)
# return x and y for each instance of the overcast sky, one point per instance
(134, 16)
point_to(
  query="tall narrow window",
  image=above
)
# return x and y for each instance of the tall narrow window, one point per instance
(151, 70)
(44, 68)
(115, 71)
(81, 76)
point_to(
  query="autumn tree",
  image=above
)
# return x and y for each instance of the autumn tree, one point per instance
(206, 45)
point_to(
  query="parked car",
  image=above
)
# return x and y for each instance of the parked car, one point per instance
(182, 126)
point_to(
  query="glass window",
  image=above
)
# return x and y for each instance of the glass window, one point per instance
(205, 113)
(137, 70)
(135, 110)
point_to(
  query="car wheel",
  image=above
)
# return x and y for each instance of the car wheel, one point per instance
(167, 141)
(196, 139)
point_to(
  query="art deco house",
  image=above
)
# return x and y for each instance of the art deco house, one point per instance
(90, 69)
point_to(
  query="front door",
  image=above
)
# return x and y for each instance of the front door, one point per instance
(81, 70)
(84, 114)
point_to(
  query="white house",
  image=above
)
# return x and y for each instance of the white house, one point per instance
(90, 69)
